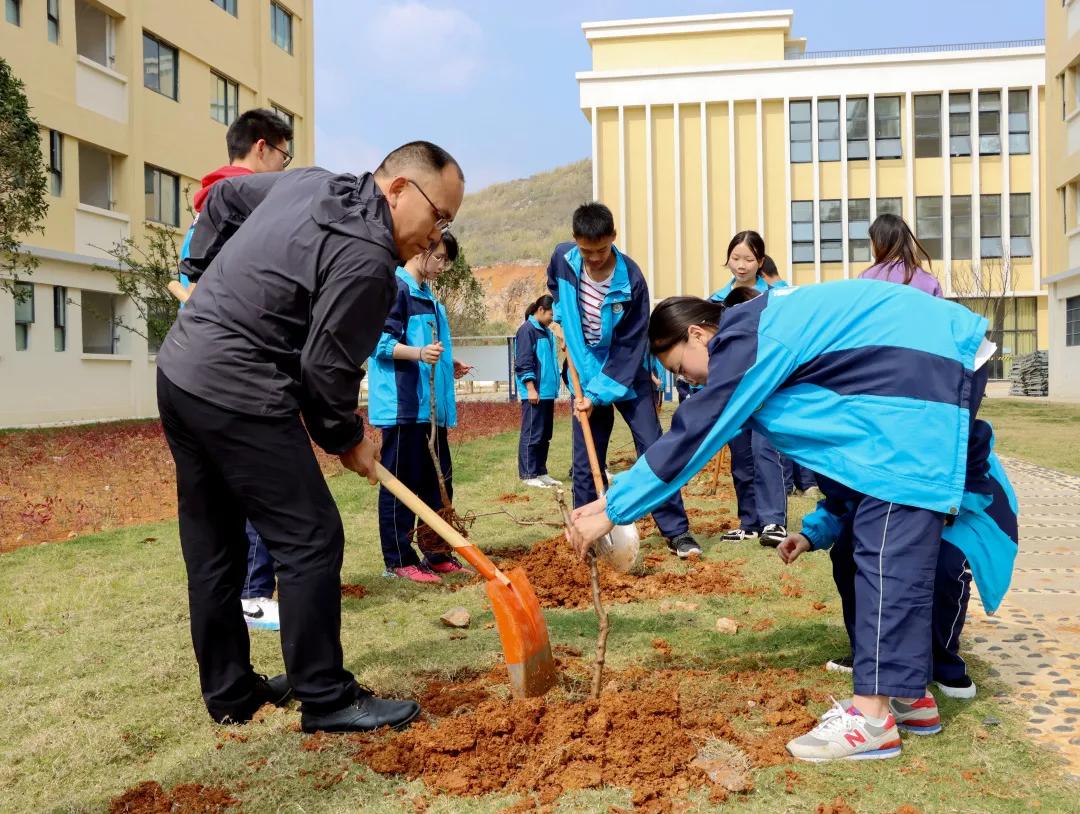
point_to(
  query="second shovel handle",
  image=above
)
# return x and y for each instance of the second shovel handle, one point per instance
(586, 430)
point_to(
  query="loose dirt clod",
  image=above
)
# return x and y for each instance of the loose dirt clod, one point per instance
(188, 798)
(790, 586)
(353, 591)
(837, 806)
(456, 617)
(728, 627)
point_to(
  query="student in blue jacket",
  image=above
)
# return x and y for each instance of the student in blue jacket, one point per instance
(602, 303)
(415, 337)
(872, 385)
(757, 470)
(536, 368)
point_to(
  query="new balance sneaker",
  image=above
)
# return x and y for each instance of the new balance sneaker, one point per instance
(684, 546)
(739, 535)
(450, 566)
(772, 535)
(841, 665)
(414, 573)
(844, 734)
(550, 481)
(261, 613)
(536, 483)
(919, 718)
(958, 688)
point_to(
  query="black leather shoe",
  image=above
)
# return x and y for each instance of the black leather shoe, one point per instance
(363, 715)
(276, 690)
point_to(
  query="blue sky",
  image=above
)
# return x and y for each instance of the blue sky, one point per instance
(493, 80)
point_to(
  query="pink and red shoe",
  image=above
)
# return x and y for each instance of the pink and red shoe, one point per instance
(450, 566)
(413, 573)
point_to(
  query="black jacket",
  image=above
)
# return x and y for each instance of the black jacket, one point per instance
(295, 276)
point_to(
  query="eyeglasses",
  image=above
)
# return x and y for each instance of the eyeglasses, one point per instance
(443, 220)
(286, 153)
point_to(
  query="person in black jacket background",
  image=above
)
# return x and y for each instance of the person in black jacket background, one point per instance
(295, 276)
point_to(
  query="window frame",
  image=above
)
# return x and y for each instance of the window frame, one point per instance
(928, 222)
(884, 205)
(219, 80)
(52, 20)
(803, 243)
(927, 142)
(1019, 240)
(828, 148)
(22, 321)
(960, 227)
(59, 318)
(859, 237)
(958, 114)
(153, 171)
(986, 233)
(277, 12)
(1072, 328)
(880, 120)
(228, 6)
(831, 230)
(160, 44)
(852, 118)
(56, 163)
(290, 118)
(16, 7)
(990, 134)
(1017, 132)
(807, 123)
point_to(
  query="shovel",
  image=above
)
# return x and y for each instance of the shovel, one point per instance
(520, 621)
(619, 548)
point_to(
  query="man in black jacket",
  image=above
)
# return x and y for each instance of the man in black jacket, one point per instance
(295, 275)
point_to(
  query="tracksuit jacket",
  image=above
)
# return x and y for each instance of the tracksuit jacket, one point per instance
(536, 360)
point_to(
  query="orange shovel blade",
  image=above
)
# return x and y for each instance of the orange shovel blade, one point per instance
(524, 635)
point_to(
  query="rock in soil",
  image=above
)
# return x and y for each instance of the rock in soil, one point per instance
(456, 617)
(728, 627)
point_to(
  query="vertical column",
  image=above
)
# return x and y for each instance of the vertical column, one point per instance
(677, 142)
(844, 185)
(871, 134)
(650, 262)
(946, 187)
(595, 157)
(1035, 149)
(817, 187)
(787, 187)
(976, 201)
(909, 152)
(760, 146)
(624, 238)
(731, 164)
(1008, 270)
(705, 238)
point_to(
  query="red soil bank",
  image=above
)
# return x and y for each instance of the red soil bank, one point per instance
(188, 798)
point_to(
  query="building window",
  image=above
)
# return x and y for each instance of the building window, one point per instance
(959, 124)
(858, 131)
(828, 128)
(990, 226)
(56, 163)
(52, 15)
(224, 99)
(160, 66)
(281, 27)
(960, 219)
(802, 231)
(1072, 321)
(162, 196)
(858, 229)
(1013, 328)
(890, 206)
(801, 149)
(13, 11)
(95, 176)
(832, 232)
(928, 224)
(291, 119)
(1019, 123)
(887, 126)
(226, 5)
(928, 126)
(989, 122)
(24, 314)
(1020, 224)
(59, 318)
(98, 322)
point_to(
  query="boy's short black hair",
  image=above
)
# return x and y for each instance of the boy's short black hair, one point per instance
(593, 221)
(253, 125)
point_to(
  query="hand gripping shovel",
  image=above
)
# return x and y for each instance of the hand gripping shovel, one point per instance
(518, 617)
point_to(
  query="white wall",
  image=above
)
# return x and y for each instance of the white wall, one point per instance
(1064, 361)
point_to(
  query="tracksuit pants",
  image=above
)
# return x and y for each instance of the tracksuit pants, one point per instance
(758, 476)
(640, 415)
(537, 426)
(796, 476)
(231, 467)
(260, 582)
(405, 454)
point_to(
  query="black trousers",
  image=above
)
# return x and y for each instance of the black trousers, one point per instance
(230, 467)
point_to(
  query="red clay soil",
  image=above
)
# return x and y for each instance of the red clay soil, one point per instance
(642, 734)
(353, 591)
(837, 806)
(562, 581)
(188, 798)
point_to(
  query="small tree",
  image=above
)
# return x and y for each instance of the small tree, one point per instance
(23, 201)
(462, 295)
(986, 287)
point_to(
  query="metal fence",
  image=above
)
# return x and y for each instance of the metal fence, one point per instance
(920, 49)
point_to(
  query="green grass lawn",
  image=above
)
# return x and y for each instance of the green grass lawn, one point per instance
(1038, 431)
(101, 688)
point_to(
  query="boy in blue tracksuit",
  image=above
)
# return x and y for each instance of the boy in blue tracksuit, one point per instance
(602, 303)
(415, 338)
(536, 368)
(871, 385)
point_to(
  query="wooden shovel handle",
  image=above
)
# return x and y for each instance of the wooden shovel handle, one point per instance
(586, 430)
(178, 291)
(473, 555)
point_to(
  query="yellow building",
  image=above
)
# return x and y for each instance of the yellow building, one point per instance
(1062, 271)
(133, 98)
(706, 125)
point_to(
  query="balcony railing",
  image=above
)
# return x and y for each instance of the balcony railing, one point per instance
(920, 49)
(101, 89)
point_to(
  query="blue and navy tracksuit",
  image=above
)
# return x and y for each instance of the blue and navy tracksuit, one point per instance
(614, 373)
(536, 361)
(871, 385)
(981, 542)
(757, 469)
(399, 402)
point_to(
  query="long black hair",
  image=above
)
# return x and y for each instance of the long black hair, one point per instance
(893, 241)
(544, 302)
(753, 241)
(673, 317)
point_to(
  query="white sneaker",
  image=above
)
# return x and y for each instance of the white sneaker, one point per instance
(844, 734)
(261, 613)
(536, 483)
(550, 481)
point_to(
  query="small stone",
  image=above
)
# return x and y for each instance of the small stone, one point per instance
(729, 627)
(991, 721)
(456, 617)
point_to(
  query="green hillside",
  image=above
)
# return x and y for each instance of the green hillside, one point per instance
(521, 221)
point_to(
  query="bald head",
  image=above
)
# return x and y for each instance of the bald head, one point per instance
(418, 158)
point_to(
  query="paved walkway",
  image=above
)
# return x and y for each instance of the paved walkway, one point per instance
(1033, 642)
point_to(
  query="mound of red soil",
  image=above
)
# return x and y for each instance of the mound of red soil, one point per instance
(188, 798)
(353, 591)
(562, 581)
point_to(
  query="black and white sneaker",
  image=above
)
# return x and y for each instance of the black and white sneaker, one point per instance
(772, 535)
(684, 546)
(841, 665)
(957, 688)
(738, 535)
